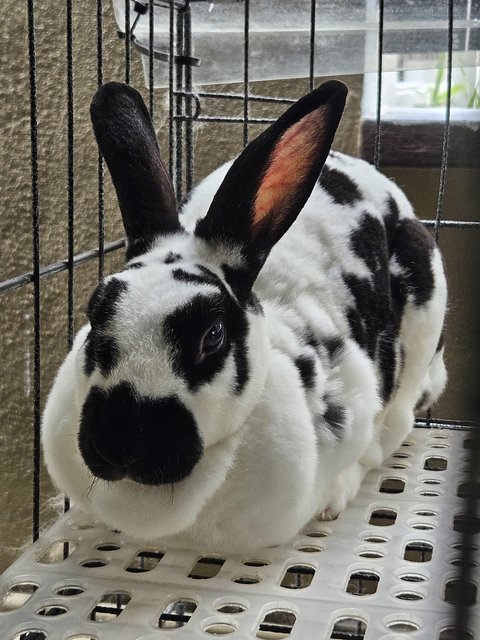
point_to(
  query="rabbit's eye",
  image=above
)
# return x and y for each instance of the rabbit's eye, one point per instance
(213, 339)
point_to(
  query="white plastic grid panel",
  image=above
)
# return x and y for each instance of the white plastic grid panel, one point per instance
(256, 596)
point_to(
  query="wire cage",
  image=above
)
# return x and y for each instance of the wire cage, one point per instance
(398, 559)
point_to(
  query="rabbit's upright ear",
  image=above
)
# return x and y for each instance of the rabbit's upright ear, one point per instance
(268, 184)
(127, 140)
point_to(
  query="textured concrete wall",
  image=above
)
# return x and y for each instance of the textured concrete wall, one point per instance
(213, 145)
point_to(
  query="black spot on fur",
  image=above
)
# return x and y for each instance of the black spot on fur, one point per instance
(413, 250)
(391, 221)
(152, 441)
(134, 265)
(375, 317)
(185, 327)
(339, 186)
(334, 347)
(309, 338)
(306, 368)
(101, 349)
(334, 417)
(239, 280)
(195, 278)
(103, 302)
(172, 257)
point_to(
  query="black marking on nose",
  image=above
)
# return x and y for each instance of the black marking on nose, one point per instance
(151, 440)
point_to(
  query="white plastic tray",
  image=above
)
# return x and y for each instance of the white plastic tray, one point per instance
(351, 579)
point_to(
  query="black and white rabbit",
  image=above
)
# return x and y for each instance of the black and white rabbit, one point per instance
(260, 352)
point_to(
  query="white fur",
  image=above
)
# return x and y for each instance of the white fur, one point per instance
(266, 469)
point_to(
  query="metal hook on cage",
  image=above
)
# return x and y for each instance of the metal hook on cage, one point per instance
(141, 8)
(198, 105)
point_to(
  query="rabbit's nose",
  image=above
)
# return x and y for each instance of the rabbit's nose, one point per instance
(152, 441)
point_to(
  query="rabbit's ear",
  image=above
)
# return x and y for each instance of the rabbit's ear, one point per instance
(127, 140)
(268, 184)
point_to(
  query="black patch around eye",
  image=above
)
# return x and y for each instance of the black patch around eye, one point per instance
(306, 368)
(102, 304)
(339, 186)
(184, 328)
(172, 257)
(334, 417)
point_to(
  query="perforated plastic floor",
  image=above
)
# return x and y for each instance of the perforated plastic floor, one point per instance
(385, 569)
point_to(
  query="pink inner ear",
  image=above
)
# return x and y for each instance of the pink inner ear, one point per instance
(290, 163)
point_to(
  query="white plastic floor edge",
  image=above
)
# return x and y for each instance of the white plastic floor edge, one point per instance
(385, 570)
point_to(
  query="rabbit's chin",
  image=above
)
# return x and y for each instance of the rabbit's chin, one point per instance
(149, 512)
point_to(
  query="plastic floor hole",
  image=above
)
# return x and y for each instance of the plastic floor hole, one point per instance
(418, 551)
(402, 626)
(383, 517)
(110, 606)
(392, 485)
(144, 561)
(348, 629)
(30, 634)
(409, 595)
(435, 463)
(220, 629)
(231, 608)
(108, 546)
(276, 624)
(247, 580)
(52, 610)
(177, 614)
(206, 567)
(456, 591)
(94, 563)
(297, 576)
(413, 577)
(256, 563)
(469, 489)
(463, 522)
(371, 553)
(450, 633)
(17, 595)
(363, 583)
(69, 590)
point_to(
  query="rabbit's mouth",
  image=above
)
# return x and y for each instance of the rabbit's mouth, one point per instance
(148, 441)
